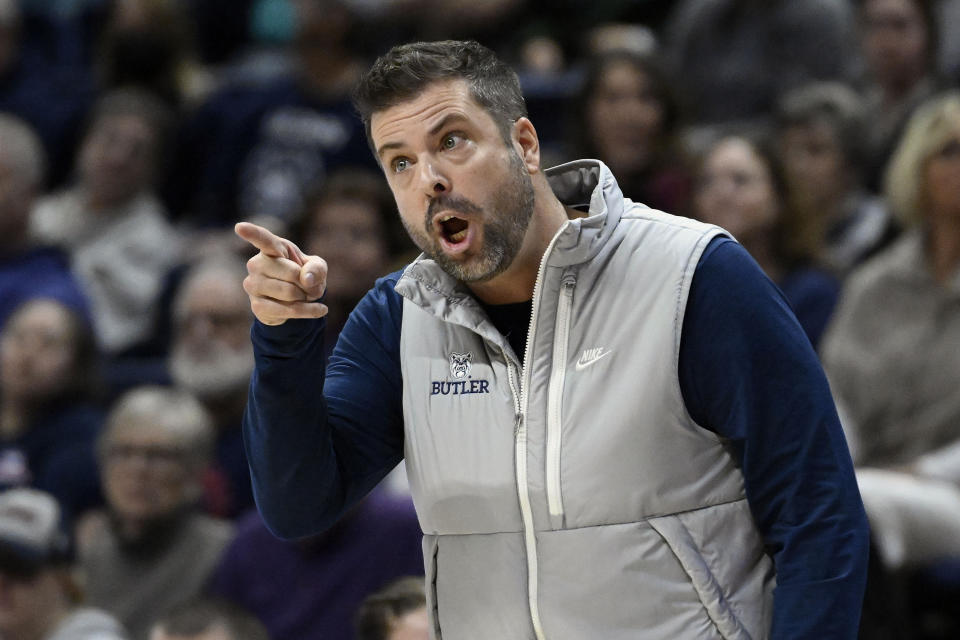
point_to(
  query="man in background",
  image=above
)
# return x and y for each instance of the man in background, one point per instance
(211, 357)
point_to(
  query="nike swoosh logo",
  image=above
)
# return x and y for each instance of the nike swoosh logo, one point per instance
(586, 361)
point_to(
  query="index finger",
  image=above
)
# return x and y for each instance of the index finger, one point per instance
(261, 238)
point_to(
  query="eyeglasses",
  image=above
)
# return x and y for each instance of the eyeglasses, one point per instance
(154, 455)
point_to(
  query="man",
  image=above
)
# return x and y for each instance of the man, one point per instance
(39, 594)
(211, 358)
(258, 146)
(583, 420)
(151, 550)
(208, 620)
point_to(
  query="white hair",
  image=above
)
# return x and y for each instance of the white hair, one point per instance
(168, 410)
(226, 269)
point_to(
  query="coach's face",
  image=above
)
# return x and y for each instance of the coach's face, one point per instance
(464, 194)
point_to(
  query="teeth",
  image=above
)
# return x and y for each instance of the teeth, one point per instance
(445, 218)
(458, 236)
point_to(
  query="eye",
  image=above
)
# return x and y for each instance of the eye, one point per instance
(399, 165)
(451, 141)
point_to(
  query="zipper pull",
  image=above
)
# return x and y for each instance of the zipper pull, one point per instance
(517, 424)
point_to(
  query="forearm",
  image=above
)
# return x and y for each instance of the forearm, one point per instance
(319, 441)
(293, 467)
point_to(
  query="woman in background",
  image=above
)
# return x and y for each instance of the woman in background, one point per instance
(820, 140)
(49, 421)
(626, 116)
(892, 358)
(741, 188)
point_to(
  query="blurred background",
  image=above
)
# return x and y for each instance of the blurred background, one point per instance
(824, 134)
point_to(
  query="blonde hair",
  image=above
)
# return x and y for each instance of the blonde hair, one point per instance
(933, 124)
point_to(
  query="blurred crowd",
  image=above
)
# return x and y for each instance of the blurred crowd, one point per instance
(823, 134)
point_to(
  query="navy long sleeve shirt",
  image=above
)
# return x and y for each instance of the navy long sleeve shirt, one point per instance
(747, 371)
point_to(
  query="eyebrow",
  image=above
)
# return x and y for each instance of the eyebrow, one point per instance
(434, 130)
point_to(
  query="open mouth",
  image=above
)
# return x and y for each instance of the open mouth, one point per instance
(453, 229)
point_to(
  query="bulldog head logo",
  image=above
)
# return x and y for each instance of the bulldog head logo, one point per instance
(460, 365)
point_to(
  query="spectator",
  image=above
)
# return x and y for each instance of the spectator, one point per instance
(112, 224)
(741, 188)
(891, 355)
(39, 593)
(626, 115)
(352, 221)
(948, 38)
(212, 358)
(731, 59)
(148, 44)
(396, 612)
(51, 97)
(254, 150)
(49, 421)
(310, 589)
(820, 129)
(208, 620)
(27, 270)
(151, 549)
(898, 39)
(897, 309)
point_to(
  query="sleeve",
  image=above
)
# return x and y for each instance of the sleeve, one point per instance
(316, 446)
(748, 373)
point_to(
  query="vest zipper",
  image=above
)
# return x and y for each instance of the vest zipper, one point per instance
(523, 488)
(561, 336)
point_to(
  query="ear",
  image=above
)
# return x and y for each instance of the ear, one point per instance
(527, 144)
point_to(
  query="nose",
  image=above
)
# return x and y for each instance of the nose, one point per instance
(435, 181)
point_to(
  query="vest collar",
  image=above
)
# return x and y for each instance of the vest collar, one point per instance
(581, 183)
(585, 183)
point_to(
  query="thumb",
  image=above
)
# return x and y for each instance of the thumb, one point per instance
(313, 276)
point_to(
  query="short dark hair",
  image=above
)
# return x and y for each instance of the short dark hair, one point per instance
(928, 13)
(833, 103)
(378, 612)
(84, 381)
(646, 64)
(142, 104)
(405, 70)
(199, 616)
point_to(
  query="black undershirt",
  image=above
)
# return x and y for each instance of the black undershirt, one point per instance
(513, 321)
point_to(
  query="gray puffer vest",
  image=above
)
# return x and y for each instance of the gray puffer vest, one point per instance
(574, 498)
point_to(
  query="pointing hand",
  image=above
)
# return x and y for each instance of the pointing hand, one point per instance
(282, 282)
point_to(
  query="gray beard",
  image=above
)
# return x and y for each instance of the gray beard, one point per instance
(224, 373)
(503, 234)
